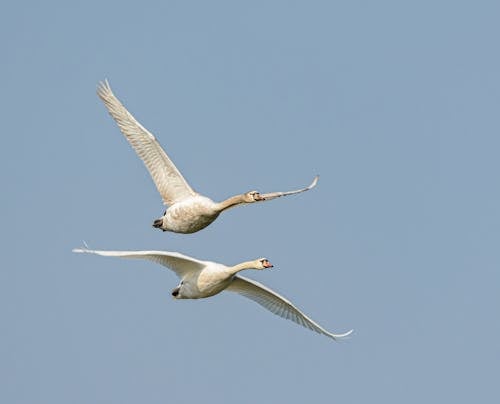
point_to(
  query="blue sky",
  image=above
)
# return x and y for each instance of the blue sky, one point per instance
(394, 104)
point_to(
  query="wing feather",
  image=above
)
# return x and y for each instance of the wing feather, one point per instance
(168, 180)
(179, 263)
(277, 304)
(273, 195)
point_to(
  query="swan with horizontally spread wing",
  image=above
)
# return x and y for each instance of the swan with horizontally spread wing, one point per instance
(201, 279)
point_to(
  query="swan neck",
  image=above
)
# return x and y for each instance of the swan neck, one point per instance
(231, 202)
(240, 267)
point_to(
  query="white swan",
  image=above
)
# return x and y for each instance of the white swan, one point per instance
(201, 279)
(188, 211)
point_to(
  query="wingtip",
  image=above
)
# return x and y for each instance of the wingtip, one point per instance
(338, 337)
(348, 333)
(314, 182)
(103, 87)
(81, 250)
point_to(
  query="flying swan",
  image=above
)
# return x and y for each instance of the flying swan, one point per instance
(201, 279)
(188, 211)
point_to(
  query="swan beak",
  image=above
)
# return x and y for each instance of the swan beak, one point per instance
(267, 264)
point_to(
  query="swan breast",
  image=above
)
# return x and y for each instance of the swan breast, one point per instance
(191, 214)
(212, 280)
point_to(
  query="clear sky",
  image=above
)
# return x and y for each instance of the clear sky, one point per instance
(396, 106)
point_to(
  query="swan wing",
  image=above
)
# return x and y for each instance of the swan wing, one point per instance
(168, 180)
(179, 263)
(273, 195)
(277, 304)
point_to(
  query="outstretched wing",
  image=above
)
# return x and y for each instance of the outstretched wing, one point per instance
(272, 195)
(179, 263)
(168, 180)
(277, 304)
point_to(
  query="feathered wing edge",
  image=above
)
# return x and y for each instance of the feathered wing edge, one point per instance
(277, 304)
(273, 195)
(168, 180)
(179, 263)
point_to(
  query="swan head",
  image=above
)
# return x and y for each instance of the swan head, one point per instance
(263, 263)
(252, 196)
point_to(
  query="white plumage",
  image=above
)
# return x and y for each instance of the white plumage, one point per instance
(188, 211)
(201, 279)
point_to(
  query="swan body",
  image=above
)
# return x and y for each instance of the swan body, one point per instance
(188, 211)
(189, 215)
(201, 279)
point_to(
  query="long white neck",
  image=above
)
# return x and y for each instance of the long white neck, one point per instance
(231, 202)
(240, 267)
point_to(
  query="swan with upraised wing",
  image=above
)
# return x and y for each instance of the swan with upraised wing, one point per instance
(188, 211)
